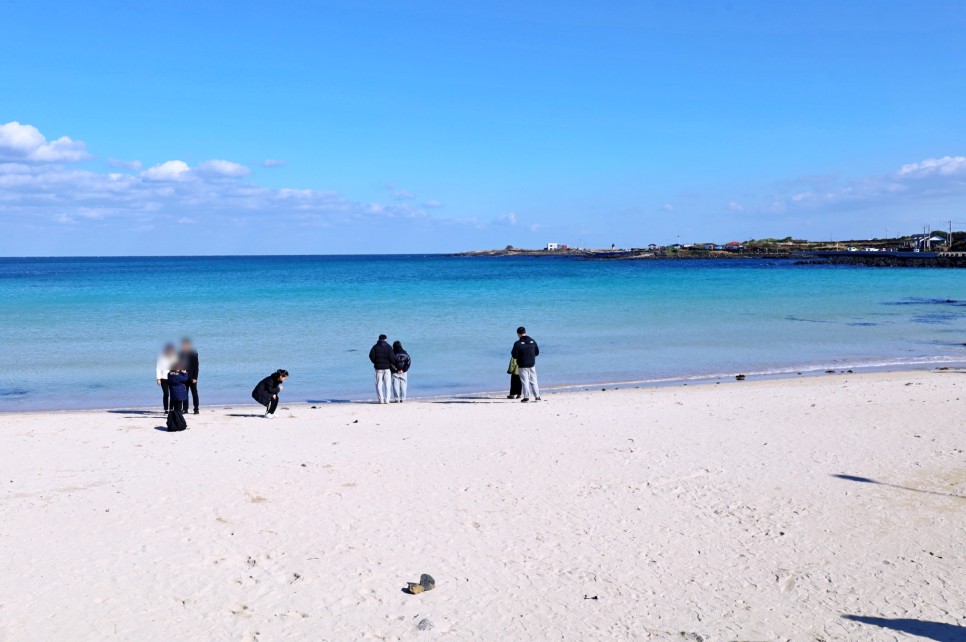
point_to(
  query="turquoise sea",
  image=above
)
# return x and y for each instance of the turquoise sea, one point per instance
(85, 332)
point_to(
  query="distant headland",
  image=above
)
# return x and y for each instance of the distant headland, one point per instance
(938, 249)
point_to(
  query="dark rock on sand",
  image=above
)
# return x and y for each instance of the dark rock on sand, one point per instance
(425, 624)
(427, 582)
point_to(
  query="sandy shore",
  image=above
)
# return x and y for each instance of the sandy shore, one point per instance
(709, 513)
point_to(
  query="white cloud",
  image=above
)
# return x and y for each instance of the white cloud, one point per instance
(273, 162)
(134, 165)
(432, 203)
(667, 207)
(25, 143)
(735, 206)
(403, 195)
(173, 170)
(945, 166)
(508, 219)
(222, 169)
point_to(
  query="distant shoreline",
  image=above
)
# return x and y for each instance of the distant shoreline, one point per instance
(924, 364)
(803, 257)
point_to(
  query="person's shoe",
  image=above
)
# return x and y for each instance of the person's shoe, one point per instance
(510, 396)
(524, 400)
(269, 415)
(196, 411)
(538, 399)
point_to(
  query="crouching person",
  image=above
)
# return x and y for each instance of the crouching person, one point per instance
(267, 390)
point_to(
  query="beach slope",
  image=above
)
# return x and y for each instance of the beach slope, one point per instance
(823, 508)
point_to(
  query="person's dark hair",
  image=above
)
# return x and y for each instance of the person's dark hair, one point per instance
(169, 347)
(397, 346)
(280, 373)
(185, 340)
(382, 337)
(521, 330)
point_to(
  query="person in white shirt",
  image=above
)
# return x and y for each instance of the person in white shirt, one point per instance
(167, 360)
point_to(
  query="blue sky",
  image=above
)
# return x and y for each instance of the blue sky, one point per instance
(373, 127)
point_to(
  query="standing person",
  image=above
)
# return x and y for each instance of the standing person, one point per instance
(266, 392)
(383, 360)
(400, 378)
(166, 361)
(515, 385)
(178, 385)
(189, 358)
(525, 351)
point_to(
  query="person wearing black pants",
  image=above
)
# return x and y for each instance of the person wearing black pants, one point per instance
(189, 358)
(178, 384)
(267, 390)
(516, 384)
(167, 360)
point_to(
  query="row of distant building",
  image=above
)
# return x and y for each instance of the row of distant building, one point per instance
(915, 242)
(733, 246)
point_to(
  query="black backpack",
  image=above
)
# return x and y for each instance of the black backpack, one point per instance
(176, 422)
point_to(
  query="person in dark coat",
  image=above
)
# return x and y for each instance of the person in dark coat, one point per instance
(189, 357)
(178, 388)
(400, 372)
(266, 392)
(383, 360)
(525, 351)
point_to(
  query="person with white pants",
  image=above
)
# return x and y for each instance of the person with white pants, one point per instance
(383, 360)
(528, 381)
(525, 351)
(400, 373)
(383, 385)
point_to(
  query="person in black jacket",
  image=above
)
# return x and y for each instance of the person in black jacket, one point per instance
(178, 388)
(383, 360)
(266, 392)
(189, 357)
(400, 370)
(525, 351)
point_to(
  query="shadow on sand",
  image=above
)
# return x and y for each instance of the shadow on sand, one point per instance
(154, 413)
(939, 631)
(866, 480)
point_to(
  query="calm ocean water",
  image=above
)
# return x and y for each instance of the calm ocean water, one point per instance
(80, 333)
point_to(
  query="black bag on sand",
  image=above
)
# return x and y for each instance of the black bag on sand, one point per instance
(176, 422)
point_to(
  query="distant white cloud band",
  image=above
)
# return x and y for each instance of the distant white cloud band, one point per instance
(37, 181)
(926, 180)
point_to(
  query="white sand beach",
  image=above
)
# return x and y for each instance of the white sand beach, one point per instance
(691, 513)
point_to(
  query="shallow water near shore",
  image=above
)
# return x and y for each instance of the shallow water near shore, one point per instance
(84, 333)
